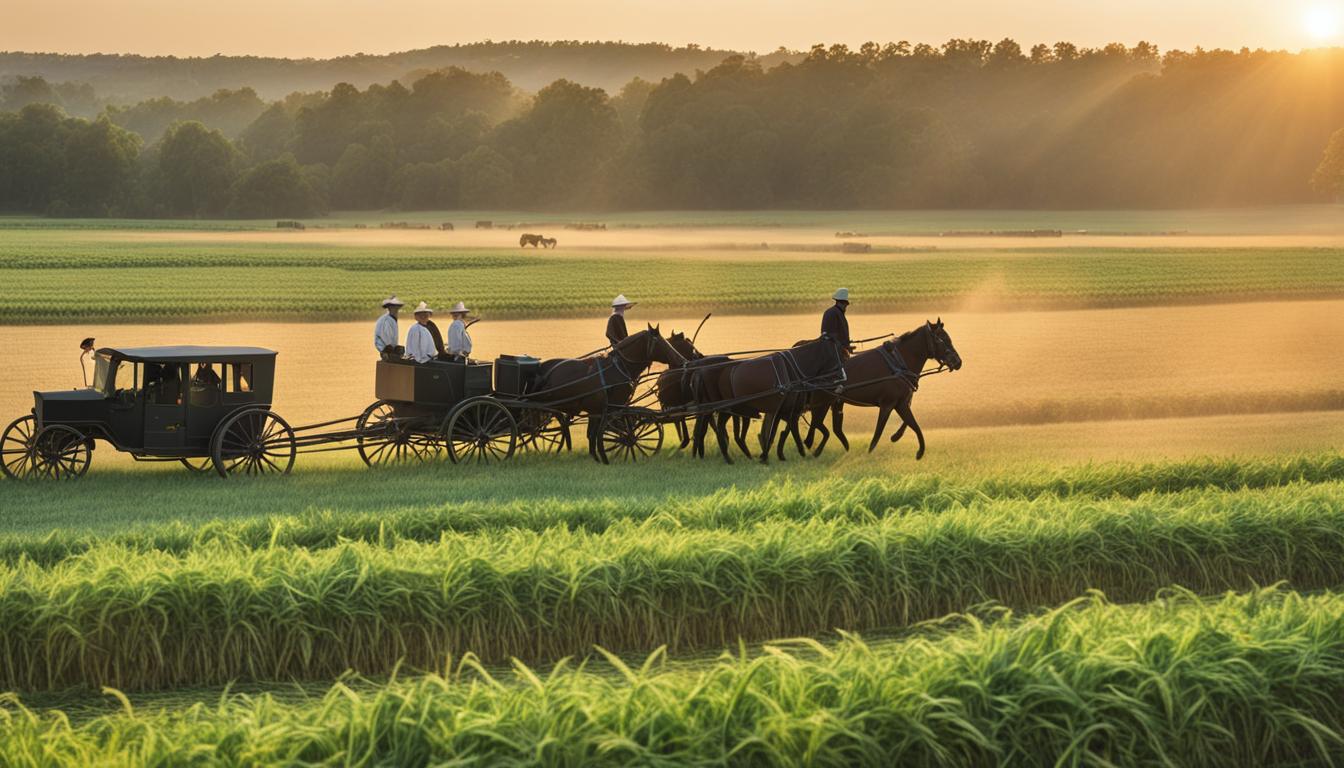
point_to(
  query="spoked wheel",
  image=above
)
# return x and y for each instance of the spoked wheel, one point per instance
(631, 436)
(16, 448)
(253, 442)
(385, 438)
(480, 430)
(540, 432)
(61, 453)
(198, 465)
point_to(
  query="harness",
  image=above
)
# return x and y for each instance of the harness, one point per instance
(896, 363)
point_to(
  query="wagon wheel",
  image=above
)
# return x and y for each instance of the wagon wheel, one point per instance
(631, 436)
(16, 448)
(60, 453)
(385, 438)
(540, 431)
(480, 430)
(198, 465)
(253, 442)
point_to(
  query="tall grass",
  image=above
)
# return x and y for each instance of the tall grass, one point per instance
(1248, 680)
(385, 507)
(135, 620)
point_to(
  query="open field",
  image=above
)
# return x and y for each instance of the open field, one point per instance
(1252, 679)
(1159, 423)
(1021, 367)
(113, 276)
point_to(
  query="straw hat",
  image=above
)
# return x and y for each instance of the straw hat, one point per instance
(423, 308)
(841, 294)
(459, 309)
(621, 301)
(393, 301)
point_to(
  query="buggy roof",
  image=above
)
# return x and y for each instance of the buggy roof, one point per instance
(186, 354)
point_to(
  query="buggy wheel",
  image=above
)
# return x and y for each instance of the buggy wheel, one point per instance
(198, 465)
(16, 448)
(61, 453)
(540, 432)
(253, 442)
(631, 436)
(385, 438)
(480, 430)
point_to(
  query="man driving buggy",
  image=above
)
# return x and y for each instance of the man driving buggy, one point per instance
(834, 323)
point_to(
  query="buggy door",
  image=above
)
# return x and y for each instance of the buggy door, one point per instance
(165, 406)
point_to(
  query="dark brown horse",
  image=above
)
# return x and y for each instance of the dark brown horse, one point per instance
(589, 386)
(768, 386)
(885, 378)
(676, 389)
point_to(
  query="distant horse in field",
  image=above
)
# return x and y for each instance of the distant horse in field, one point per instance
(549, 242)
(885, 378)
(574, 387)
(530, 239)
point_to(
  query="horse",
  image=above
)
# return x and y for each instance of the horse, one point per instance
(676, 389)
(589, 386)
(767, 386)
(886, 378)
(548, 242)
(530, 239)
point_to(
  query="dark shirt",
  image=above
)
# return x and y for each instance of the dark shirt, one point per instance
(835, 325)
(616, 332)
(434, 333)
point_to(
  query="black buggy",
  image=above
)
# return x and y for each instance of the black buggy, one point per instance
(202, 406)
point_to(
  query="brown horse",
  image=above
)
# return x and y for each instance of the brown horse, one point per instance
(769, 386)
(532, 240)
(589, 386)
(676, 389)
(885, 378)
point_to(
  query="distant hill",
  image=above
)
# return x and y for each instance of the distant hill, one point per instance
(126, 78)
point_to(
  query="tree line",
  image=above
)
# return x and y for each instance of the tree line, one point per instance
(966, 124)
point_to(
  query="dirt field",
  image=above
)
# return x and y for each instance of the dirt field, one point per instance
(1020, 368)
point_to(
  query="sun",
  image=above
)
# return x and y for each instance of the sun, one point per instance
(1322, 21)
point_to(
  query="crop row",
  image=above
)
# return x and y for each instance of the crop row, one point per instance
(218, 613)
(384, 509)
(538, 287)
(1253, 679)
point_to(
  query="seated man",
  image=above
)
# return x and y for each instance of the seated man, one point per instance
(419, 342)
(459, 341)
(205, 389)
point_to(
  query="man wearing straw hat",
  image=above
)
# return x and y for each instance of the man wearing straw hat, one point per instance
(385, 333)
(616, 332)
(834, 323)
(459, 341)
(419, 342)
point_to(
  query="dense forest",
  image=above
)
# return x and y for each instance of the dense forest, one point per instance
(967, 124)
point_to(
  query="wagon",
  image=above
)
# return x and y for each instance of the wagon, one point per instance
(204, 407)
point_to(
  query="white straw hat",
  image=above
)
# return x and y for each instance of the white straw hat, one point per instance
(459, 309)
(841, 295)
(423, 308)
(393, 301)
(621, 301)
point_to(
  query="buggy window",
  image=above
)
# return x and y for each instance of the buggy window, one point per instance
(206, 384)
(163, 383)
(237, 380)
(102, 374)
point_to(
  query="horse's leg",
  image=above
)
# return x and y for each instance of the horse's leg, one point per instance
(595, 437)
(895, 436)
(818, 425)
(903, 408)
(883, 413)
(796, 432)
(838, 423)
(566, 435)
(702, 425)
(769, 420)
(683, 434)
(741, 428)
(721, 433)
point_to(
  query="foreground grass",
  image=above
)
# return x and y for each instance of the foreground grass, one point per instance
(1248, 680)
(122, 280)
(221, 612)
(142, 509)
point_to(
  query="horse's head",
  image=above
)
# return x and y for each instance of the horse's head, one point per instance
(940, 345)
(649, 346)
(684, 346)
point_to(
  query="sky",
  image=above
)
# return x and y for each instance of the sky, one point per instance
(325, 28)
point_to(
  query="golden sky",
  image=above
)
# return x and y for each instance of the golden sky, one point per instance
(323, 28)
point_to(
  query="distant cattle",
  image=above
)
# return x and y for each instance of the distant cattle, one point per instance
(485, 225)
(446, 226)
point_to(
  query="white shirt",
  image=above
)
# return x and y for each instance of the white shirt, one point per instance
(419, 344)
(459, 341)
(385, 333)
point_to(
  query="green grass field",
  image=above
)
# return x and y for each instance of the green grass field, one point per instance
(856, 609)
(121, 280)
